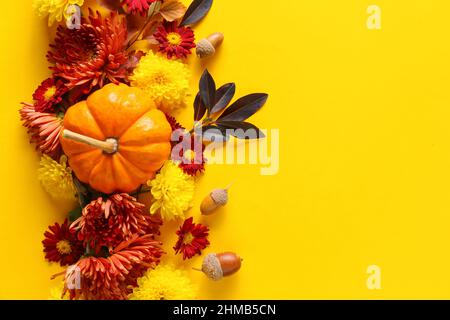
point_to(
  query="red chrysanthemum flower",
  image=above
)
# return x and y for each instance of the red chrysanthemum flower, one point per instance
(138, 6)
(192, 239)
(113, 277)
(107, 223)
(190, 156)
(154, 223)
(61, 244)
(175, 41)
(173, 122)
(44, 129)
(92, 55)
(48, 95)
(189, 153)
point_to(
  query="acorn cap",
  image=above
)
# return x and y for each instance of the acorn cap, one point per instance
(220, 196)
(205, 48)
(211, 267)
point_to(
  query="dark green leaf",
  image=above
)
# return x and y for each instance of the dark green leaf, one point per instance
(207, 89)
(196, 11)
(223, 97)
(244, 107)
(199, 108)
(241, 130)
(75, 214)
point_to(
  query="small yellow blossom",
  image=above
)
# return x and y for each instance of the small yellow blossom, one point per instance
(172, 191)
(166, 81)
(164, 283)
(54, 9)
(56, 178)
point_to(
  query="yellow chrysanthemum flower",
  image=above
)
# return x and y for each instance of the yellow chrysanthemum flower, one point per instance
(166, 81)
(172, 191)
(54, 9)
(56, 178)
(164, 283)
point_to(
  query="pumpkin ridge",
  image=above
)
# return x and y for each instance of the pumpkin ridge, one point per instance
(96, 121)
(128, 164)
(89, 154)
(147, 109)
(153, 117)
(75, 127)
(93, 170)
(118, 158)
(135, 149)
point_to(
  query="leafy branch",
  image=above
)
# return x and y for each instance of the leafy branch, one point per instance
(212, 110)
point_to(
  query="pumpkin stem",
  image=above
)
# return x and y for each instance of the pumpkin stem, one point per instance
(110, 145)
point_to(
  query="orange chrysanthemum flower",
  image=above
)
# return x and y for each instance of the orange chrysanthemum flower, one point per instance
(113, 277)
(44, 128)
(92, 55)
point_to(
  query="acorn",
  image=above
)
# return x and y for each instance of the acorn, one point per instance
(216, 199)
(218, 265)
(207, 47)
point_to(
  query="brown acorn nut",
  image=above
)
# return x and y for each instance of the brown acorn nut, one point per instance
(207, 47)
(217, 198)
(218, 265)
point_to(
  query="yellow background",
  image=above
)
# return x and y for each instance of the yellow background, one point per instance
(364, 151)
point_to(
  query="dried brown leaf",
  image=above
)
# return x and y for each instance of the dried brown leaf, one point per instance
(172, 10)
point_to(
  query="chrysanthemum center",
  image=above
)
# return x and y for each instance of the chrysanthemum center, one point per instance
(189, 154)
(49, 93)
(160, 78)
(174, 39)
(64, 247)
(188, 237)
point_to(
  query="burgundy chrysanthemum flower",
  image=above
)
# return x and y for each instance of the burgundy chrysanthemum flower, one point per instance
(107, 223)
(188, 152)
(44, 129)
(92, 55)
(48, 95)
(175, 41)
(154, 223)
(192, 239)
(138, 6)
(190, 156)
(61, 244)
(113, 278)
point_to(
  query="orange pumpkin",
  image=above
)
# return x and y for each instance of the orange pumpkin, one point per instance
(116, 140)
